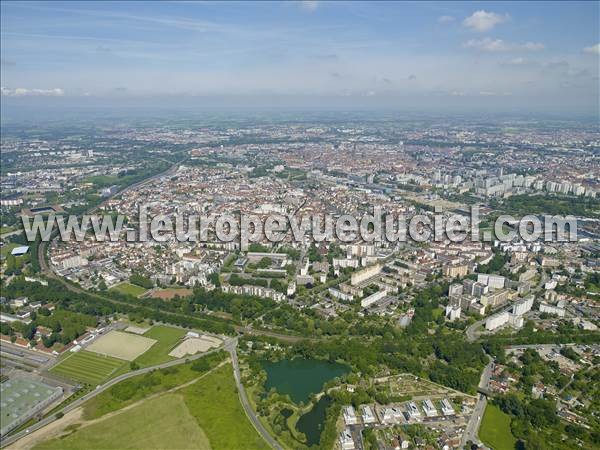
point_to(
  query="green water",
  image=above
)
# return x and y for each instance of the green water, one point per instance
(301, 377)
(312, 422)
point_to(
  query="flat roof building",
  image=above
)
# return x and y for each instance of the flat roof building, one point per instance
(429, 409)
(447, 408)
(350, 416)
(21, 399)
(367, 414)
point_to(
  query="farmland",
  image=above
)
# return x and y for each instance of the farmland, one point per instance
(166, 339)
(162, 422)
(87, 367)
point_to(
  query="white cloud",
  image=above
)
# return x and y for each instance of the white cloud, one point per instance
(309, 5)
(532, 46)
(24, 92)
(494, 94)
(484, 21)
(498, 45)
(517, 62)
(446, 19)
(594, 49)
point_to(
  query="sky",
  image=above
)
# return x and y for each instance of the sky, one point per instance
(439, 55)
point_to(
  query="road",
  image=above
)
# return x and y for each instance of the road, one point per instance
(71, 406)
(230, 347)
(472, 428)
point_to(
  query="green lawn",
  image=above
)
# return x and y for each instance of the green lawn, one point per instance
(6, 249)
(87, 367)
(128, 288)
(159, 423)
(166, 339)
(495, 429)
(214, 402)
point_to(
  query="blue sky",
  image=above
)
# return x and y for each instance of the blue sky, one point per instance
(485, 53)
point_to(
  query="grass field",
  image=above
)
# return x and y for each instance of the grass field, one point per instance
(6, 249)
(140, 387)
(159, 423)
(214, 402)
(128, 288)
(87, 367)
(495, 429)
(166, 339)
(121, 345)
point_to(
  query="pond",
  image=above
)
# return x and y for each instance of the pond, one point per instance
(301, 377)
(312, 422)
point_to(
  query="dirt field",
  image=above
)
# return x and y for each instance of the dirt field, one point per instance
(50, 431)
(121, 345)
(192, 346)
(136, 330)
(168, 294)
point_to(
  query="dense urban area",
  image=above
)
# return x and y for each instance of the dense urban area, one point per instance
(302, 344)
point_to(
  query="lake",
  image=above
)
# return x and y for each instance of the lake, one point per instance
(300, 377)
(312, 422)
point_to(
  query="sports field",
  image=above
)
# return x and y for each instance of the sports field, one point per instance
(495, 429)
(128, 288)
(87, 367)
(166, 339)
(159, 423)
(121, 345)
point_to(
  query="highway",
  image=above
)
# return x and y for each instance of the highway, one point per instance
(75, 404)
(230, 347)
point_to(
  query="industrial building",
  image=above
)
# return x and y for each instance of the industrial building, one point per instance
(21, 399)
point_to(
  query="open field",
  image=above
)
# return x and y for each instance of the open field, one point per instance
(160, 423)
(87, 367)
(406, 384)
(166, 339)
(141, 387)
(128, 288)
(168, 294)
(7, 248)
(191, 346)
(121, 345)
(215, 404)
(495, 429)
